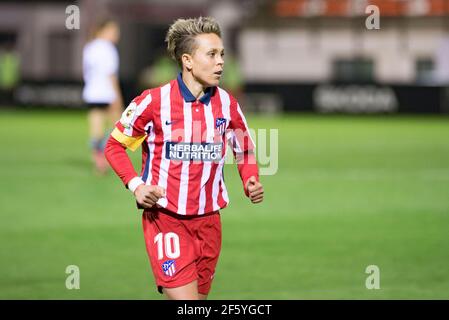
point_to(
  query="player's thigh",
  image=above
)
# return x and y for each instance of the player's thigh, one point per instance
(210, 237)
(202, 296)
(185, 292)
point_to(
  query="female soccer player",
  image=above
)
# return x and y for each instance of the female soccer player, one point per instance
(184, 127)
(101, 90)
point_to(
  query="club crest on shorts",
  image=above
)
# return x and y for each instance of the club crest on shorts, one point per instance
(169, 268)
(220, 125)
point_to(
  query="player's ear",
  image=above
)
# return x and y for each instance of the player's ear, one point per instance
(187, 61)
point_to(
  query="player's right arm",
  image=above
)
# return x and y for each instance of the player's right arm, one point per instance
(129, 132)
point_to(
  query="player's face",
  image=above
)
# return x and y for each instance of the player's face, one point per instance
(207, 60)
(112, 32)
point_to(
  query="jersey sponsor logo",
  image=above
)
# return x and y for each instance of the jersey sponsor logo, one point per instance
(128, 115)
(169, 268)
(184, 151)
(220, 125)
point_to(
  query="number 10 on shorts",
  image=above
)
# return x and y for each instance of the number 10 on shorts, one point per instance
(168, 243)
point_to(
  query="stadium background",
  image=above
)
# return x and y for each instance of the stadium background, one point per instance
(363, 150)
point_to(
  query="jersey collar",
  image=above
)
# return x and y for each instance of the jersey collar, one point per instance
(189, 97)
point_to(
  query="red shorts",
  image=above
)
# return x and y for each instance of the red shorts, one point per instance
(182, 248)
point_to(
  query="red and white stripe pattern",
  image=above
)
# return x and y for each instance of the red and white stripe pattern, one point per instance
(192, 187)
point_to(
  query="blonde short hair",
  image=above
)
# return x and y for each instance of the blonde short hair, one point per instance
(181, 35)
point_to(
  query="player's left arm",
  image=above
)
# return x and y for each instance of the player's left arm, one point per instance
(244, 152)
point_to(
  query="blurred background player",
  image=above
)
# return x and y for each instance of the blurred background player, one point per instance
(101, 90)
(9, 72)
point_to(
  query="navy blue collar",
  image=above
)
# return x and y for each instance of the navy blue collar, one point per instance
(189, 97)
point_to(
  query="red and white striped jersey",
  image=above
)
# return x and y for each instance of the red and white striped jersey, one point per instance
(184, 145)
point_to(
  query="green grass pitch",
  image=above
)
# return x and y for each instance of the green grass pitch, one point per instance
(350, 191)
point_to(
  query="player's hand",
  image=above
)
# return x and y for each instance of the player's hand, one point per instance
(255, 190)
(147, 196)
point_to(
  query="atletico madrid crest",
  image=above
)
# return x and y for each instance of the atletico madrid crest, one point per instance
(220, 125)
(169, 268)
